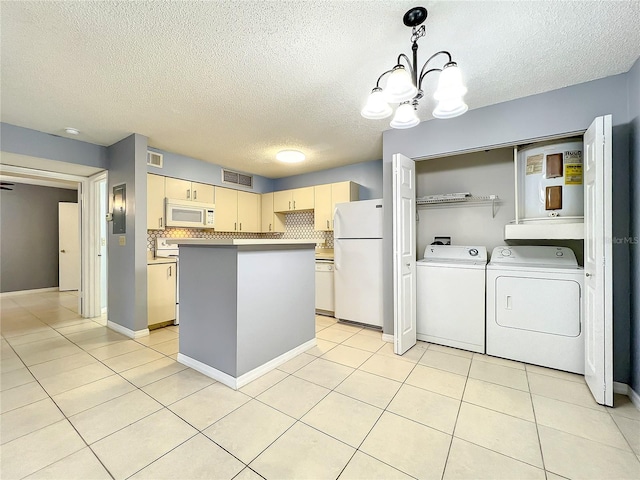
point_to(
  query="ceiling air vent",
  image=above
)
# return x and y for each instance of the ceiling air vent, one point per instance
(236, 178)
(154, 159)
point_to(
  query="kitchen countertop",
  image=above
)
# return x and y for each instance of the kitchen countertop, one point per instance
(159, 260)
(324, 253)
(243, 241)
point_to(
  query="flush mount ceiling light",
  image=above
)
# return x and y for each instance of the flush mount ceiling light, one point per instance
(72, 131)
(290, 156)
(404, 83)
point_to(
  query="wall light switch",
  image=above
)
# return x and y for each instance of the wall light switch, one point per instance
(122, 240)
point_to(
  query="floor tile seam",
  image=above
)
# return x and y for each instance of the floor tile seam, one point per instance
(419, 422)
(499, 412)
(84, 321)
(499, 384)
(213, 381)
(98, 404)
(50, 359)
(596, 409)
(156, 459)
(136, 366)
(27, 404)
(33, 341)
(546, 375)
(502, 454)
(444, 370)
(285, 413)
(432, 391)
(535, 418)
(337, 363)
(499, 364)
(59, 459)
(89, 444)
(270, 386)
(630, 451)
(77, 386)
(382, 461)
(455, 425)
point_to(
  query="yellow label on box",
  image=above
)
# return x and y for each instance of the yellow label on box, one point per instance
(573, 174)
(534, 164)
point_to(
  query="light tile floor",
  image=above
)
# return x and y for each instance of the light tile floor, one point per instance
(80, 401)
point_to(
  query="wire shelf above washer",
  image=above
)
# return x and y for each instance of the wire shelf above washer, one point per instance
(459, 200)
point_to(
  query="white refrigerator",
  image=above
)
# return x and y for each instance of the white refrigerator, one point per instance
(358, 261)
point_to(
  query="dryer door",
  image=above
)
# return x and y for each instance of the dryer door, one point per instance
(545, 305)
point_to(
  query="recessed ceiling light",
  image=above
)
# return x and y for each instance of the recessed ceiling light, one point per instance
(72, 131)
(290, 156)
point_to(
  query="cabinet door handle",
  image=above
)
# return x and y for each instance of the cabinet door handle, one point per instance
(160, 221)
(169, 270)
(235, 226)
(195, 194)
(294, 204)
(269, 227)
(327, 223)
(289, 204)
(188, 194)
(240, 226)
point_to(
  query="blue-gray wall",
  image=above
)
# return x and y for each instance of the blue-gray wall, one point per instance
(29, 236)
(24, 141)
(564, 111)
(633, 83)
(367, 174)
(187, 168)
(127, 296)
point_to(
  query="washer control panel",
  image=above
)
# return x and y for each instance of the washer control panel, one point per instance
(534, 255)
(456, 253)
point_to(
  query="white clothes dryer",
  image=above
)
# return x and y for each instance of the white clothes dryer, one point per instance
(450, 300)
(534, 307)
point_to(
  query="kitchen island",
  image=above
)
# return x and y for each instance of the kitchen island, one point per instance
(246, 305)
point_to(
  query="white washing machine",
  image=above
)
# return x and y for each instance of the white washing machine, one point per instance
(450, 296)
(534, 307)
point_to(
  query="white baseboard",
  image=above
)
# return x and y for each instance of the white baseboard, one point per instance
(126, 331)
(624, 389)
(242, 380)
(28, 292)
(387, 338)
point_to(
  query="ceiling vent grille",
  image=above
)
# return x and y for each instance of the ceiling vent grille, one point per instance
(154, 159)
(237, 178)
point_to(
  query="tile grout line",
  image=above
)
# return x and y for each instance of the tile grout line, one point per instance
(535, 421)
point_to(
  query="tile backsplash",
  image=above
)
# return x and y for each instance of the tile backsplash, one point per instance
(297, 225)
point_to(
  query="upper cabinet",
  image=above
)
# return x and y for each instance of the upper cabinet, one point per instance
(237, 211)
(155, 202)
(326, 197)
(186, 190)
(271, 222)
(293, 200)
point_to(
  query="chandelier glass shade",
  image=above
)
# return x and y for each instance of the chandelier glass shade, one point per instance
(404, 84)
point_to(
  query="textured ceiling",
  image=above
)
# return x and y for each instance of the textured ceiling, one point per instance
(233, 82)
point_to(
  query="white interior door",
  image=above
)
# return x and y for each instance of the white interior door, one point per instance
(68, 246)
(598, 318)
(404, 253)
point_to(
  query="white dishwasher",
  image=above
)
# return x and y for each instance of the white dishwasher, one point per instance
(324, 287)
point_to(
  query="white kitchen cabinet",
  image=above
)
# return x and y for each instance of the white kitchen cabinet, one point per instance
(293, 200)
(271, 221)
(155, 202)
(161, 293)
(176, 188)
(237, 211)
(326, 197)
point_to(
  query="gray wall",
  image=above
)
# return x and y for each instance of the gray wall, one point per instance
(367, 174)
(187, 168)
(29, 236)
(480, 173)
(25, 141)
(564, 111)
(634, 160)
(127, 296)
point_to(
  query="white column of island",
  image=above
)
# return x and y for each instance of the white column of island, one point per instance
(246, 305)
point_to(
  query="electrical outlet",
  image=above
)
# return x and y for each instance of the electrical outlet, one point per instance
(122, 240)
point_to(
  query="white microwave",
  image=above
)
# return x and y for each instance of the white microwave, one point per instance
(188, 214)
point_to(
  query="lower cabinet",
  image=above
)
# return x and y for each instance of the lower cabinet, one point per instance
(161, 293)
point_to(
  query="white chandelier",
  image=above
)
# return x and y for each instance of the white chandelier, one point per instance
(405, 87)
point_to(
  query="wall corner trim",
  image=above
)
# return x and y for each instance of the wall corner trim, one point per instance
(624, 389)
(126, 331)
(242, 380)
(388, 338)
